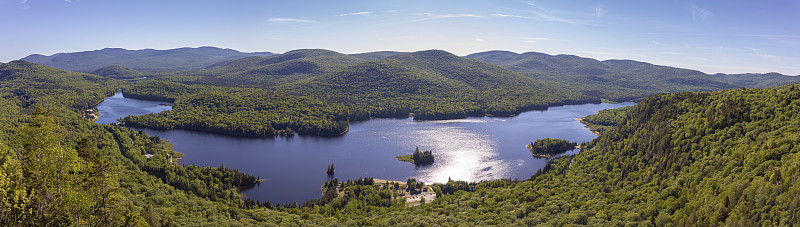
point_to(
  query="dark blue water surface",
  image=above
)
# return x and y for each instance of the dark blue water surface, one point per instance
(471, 149)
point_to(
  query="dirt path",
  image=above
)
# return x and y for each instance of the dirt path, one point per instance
(414, 200)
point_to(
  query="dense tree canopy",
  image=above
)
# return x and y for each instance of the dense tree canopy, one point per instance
(548, 147)
(605, 119)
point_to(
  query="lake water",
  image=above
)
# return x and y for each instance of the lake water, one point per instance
(293, 168)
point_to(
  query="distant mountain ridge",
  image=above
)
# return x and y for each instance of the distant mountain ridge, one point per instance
(613, 80)
(758, 80)
(141, 60)
(616, 80)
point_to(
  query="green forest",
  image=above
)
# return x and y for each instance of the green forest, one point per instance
(549, 147)
(418, 157)
(680, 159)
(605, 119)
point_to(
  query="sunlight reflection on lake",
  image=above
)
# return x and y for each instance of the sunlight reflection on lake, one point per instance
(462, 154)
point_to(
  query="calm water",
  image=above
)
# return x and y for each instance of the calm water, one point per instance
(116, 107)
(471, 149)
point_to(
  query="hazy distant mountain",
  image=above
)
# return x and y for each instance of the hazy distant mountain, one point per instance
(377, 55)
(617, 80)
(142, 60)
(757, 80)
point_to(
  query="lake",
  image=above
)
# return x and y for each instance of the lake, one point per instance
(293, 168)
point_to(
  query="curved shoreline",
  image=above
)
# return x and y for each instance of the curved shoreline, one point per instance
(349, 123)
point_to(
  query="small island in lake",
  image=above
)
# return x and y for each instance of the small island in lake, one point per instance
(330, 170)
(418, 158)
(549, 147)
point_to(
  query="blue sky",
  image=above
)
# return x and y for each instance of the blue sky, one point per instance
(731, 36)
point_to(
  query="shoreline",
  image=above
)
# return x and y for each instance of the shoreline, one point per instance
(382, 181)
(585, 125)
(411, 115)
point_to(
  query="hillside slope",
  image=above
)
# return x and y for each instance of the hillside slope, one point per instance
(616, 80)
(25, 86)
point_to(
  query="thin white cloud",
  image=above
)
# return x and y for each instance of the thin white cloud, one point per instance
(433, 16)
(538, 7)
(354, 14)
(289, 20)
(527, 39)
(721, 34)
(600, 10)
(545, 14)
(479, 40)
(700, 14)
(760, 53)
(552, 18)
(507, 15)
(25, 5)
(437, 16)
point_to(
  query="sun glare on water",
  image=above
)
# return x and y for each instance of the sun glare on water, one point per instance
(461, 154)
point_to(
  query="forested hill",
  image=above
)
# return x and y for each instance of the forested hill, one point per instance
(616, 80)
(25, 86)
(694, 159)
(273, 70)
(757, 80)
(142, 60)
